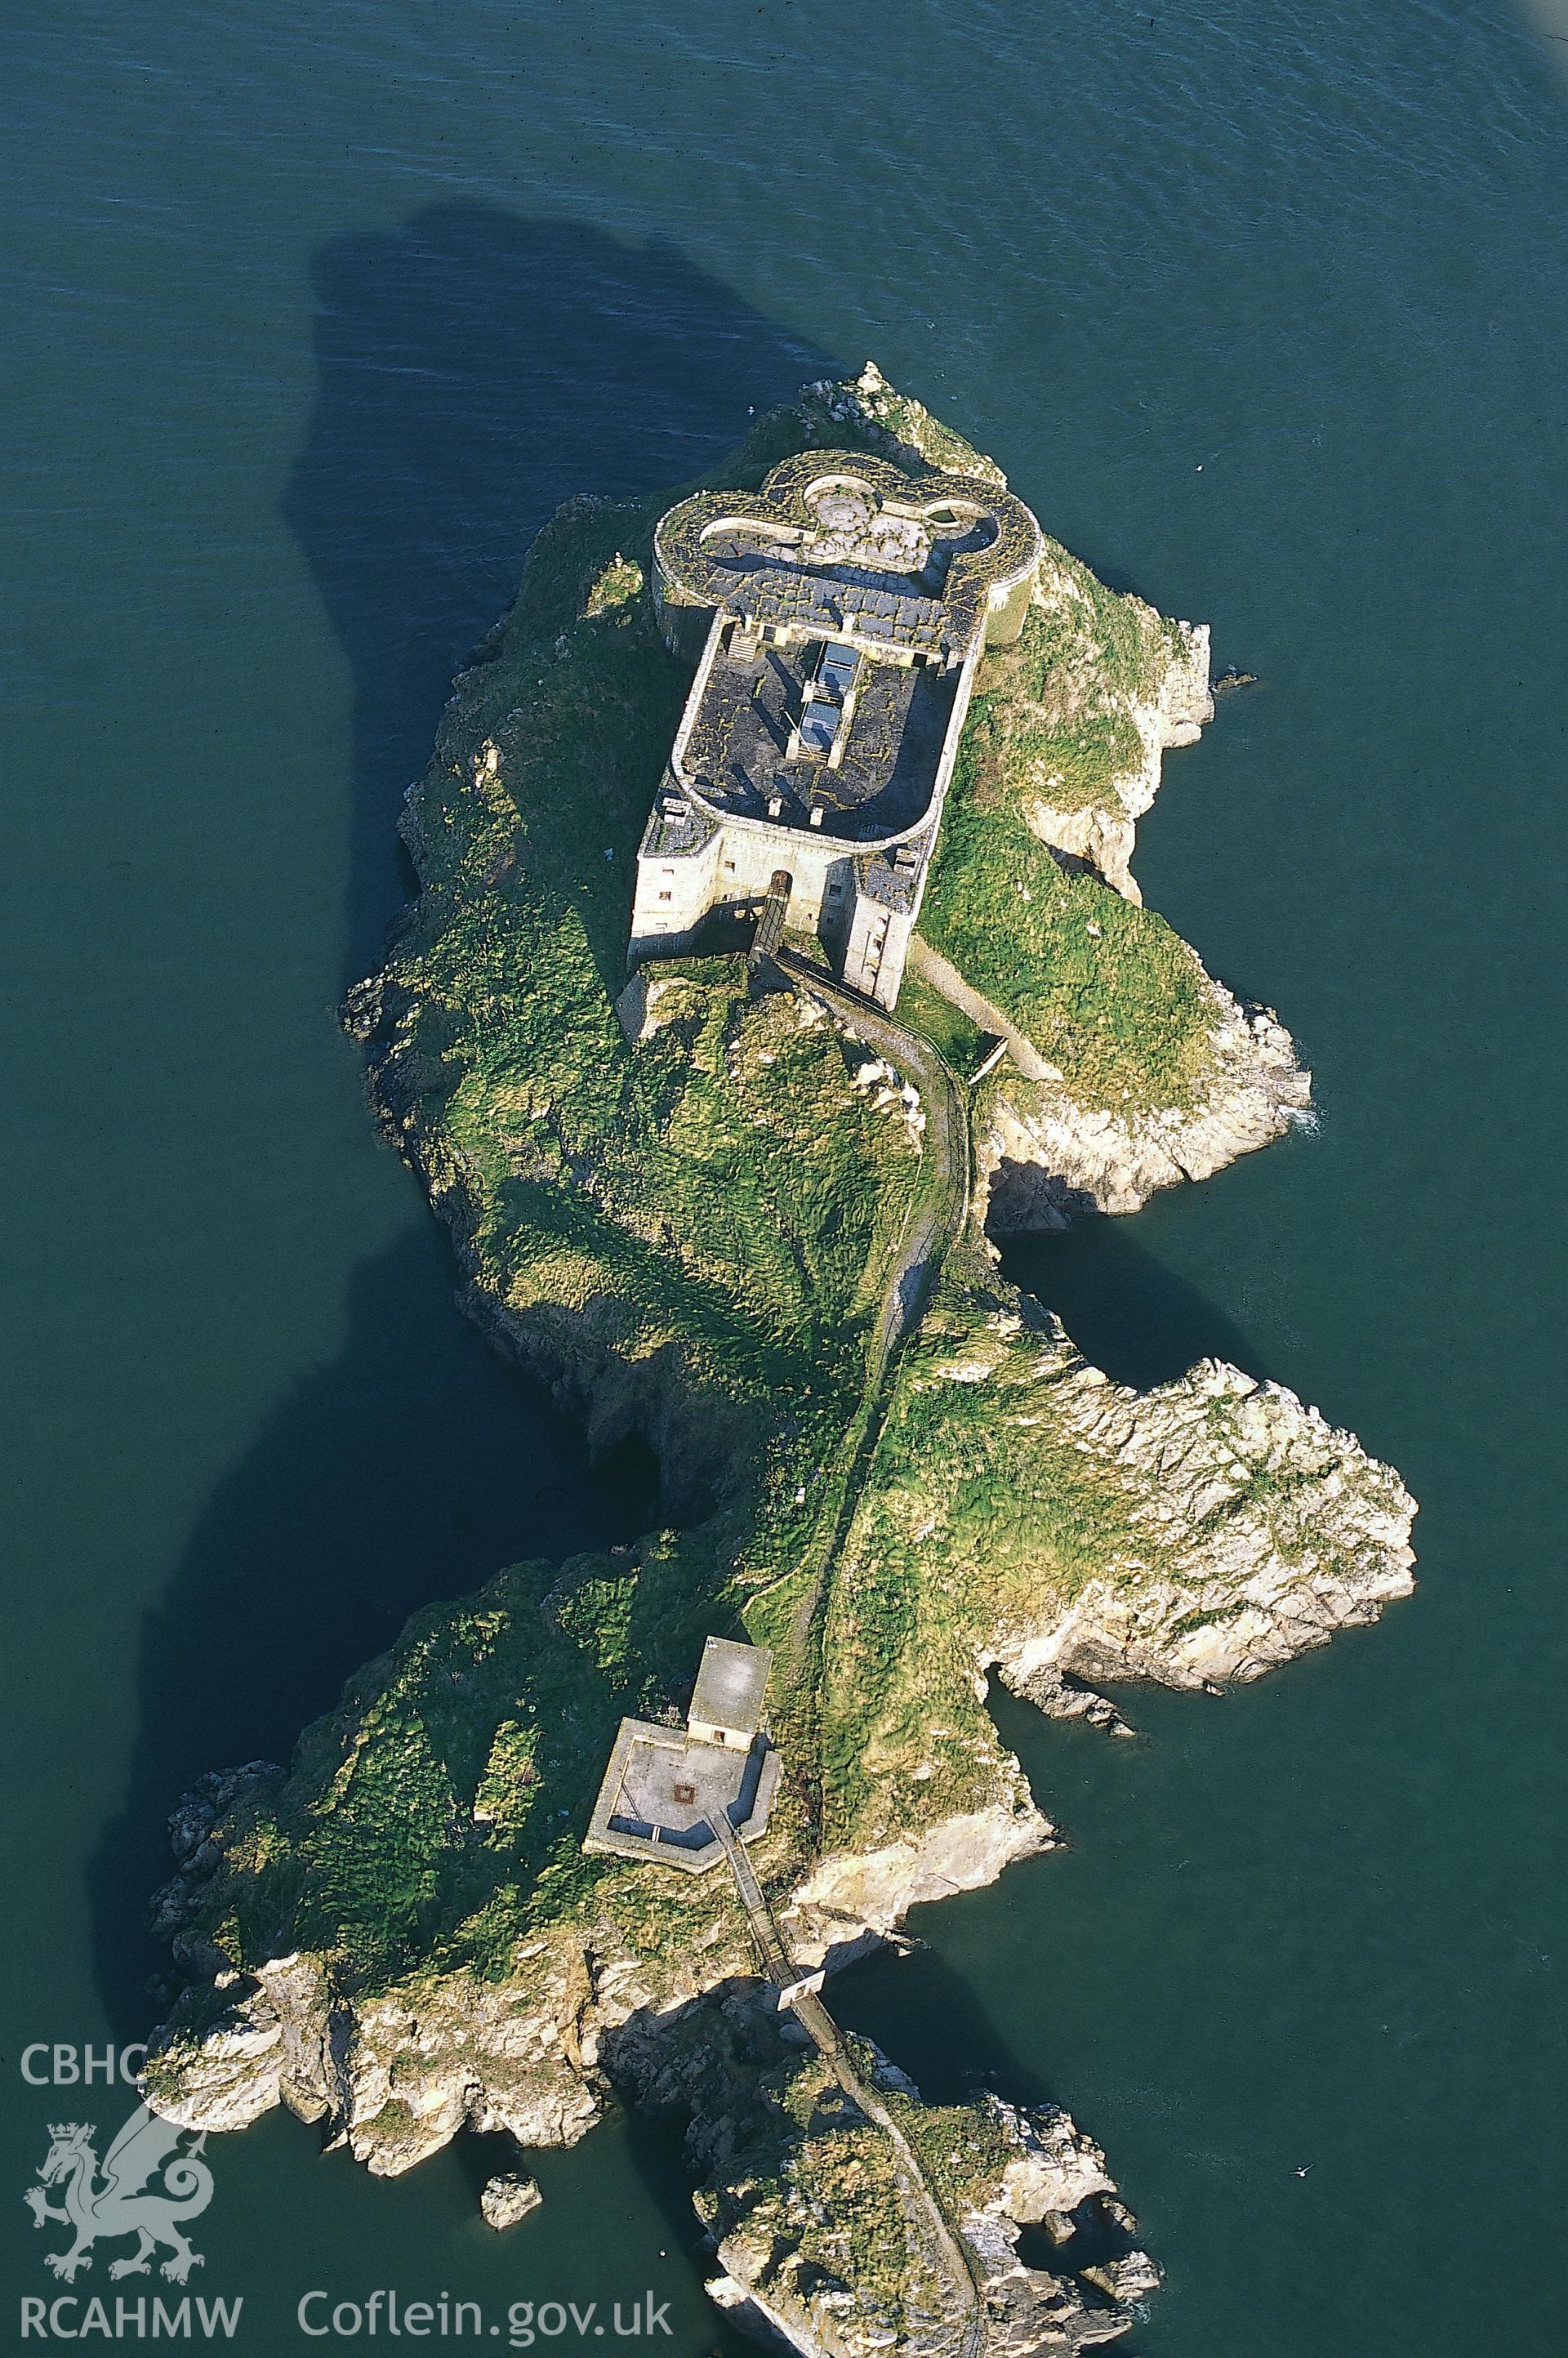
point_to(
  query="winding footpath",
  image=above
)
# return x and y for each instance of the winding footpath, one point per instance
(934, 1221)
(961, 2333)
(984, 1013)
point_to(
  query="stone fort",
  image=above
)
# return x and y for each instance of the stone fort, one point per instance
(836, 619)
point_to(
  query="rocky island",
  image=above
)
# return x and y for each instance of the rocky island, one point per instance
(847, 754)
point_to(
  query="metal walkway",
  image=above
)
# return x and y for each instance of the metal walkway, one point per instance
(960, 2331)
(770, 933)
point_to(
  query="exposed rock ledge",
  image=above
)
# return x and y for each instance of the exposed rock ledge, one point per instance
(1042, 1157)
(849, 1902)
(898, 425)
(1266, 1530)
(1257, 1530)
(397, 2076)
(785, 2171)
(1104, 833)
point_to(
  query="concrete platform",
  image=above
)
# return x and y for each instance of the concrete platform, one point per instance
(731, 1680)
(663, 1785)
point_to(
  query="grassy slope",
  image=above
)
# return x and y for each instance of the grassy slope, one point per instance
(1111, 996)
(1108, 992)
(1053, 715)
(979, 1510)
(699, 1224)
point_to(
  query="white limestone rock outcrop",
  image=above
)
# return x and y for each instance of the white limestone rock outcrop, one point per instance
(851, 1901)
(1103, 833)
(1257, 1530)
(508, 2198)
(394, 2077)
(894, 423)
(1043, 1157)
(1053, 2166)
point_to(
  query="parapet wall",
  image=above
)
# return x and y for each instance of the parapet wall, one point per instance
(912, 571)
(986, 589)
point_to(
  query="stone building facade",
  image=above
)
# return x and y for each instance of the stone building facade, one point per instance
(836, 619)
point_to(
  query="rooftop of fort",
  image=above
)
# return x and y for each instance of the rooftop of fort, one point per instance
(840, 605)
(836, 617)
(849, 544)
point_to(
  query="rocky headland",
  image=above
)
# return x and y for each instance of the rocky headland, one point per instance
(684, 1222)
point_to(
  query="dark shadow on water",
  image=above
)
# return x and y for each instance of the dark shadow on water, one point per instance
(474, 370)
(1123, 1308)
(413, 1466)
(928, 2019)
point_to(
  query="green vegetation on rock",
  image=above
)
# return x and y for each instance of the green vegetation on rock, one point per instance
(690, 1236)
(740, 1222)
(937, 1019)
(1053, 716)
(1106, 991)
(804, 2196)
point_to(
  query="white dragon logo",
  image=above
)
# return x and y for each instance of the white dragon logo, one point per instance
(125, 2203)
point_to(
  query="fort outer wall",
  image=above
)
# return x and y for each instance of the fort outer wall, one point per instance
(730, 874)
(862, 901)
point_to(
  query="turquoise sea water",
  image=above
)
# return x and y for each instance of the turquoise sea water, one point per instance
(313, 315)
